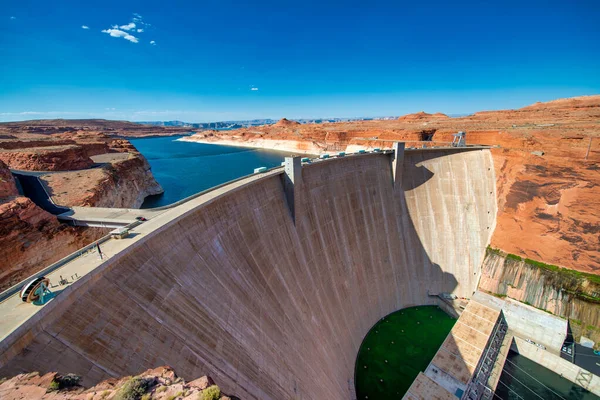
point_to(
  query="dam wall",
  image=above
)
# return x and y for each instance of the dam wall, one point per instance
(270, 306)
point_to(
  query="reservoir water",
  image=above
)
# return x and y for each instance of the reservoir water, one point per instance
(185, 168)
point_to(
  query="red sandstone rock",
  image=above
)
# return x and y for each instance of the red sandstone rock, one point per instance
(50, 158)
(286, 122)
(163, 384)
(7, 182)
(202, 382)
(422, 116)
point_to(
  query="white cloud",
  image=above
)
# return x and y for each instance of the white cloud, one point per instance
(254, 89)
(153, 43)
(13, 17)
(85, 27)
(128, 27)
(137, 25)
(110, 109)
(119, 33)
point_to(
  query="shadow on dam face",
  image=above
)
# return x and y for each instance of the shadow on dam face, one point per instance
(272, 309)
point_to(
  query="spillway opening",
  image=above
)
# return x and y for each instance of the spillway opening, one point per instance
(427, 135)
(397, 348)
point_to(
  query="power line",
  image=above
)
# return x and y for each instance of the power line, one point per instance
(527, 387)
(535, 379)
(498, 396)
(508, 387)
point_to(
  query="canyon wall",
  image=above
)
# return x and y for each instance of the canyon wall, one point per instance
(565, 294)
(31, 238)
(272, 307)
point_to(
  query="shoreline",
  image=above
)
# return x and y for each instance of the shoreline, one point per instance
(274, 145)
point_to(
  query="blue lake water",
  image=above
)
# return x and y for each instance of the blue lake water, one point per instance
(185, 168)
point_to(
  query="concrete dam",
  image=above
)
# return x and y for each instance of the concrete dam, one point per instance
(270, 284)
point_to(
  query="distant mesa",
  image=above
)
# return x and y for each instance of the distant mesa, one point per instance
(422, 115)
(286, 122)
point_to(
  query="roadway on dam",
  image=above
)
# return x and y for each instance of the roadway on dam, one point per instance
(228, 284)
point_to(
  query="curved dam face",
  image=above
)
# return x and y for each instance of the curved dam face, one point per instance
(270, 306)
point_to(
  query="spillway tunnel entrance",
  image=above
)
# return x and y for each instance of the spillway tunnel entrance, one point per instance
(426, 135)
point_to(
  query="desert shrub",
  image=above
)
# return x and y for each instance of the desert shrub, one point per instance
(133, 389)
(53, 385)
(61, 382)
(210, 393)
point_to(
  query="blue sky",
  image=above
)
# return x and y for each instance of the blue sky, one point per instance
(223, 60)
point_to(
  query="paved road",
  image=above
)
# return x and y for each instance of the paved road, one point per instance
(106, 217)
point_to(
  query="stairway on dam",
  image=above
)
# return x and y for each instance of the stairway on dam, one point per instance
(270, 303)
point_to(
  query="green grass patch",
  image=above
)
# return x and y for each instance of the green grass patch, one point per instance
(513, 257)
(397, 348)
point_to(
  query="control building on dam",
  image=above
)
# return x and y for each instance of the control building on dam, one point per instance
(269, 284)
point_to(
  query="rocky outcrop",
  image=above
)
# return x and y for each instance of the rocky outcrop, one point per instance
(422, 115)
(286, 122)
(122, 184)
(558, 291)
(50, 158)
(159, 383)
